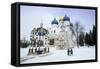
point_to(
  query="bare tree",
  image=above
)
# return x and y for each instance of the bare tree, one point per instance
(32, 39)
(78, 29)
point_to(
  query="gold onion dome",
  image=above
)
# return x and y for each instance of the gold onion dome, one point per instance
(64, 18)
(61, 18)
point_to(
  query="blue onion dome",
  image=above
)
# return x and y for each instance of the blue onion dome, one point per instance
(66, 18)
(54, 21)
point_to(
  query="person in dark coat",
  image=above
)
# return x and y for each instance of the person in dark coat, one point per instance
(68, 51)
(71, 51)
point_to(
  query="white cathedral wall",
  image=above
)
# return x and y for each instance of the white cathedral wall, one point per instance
(68, 35)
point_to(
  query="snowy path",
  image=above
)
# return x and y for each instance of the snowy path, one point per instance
(82, 53)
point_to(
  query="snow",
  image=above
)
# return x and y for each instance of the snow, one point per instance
(56, 55)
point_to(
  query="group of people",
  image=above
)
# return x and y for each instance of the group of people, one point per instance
(70, 52)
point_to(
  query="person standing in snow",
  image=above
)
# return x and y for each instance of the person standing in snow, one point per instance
(70, 35)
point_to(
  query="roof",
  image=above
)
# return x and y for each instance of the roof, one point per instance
(66, 18)
(54, 21)
(41, 31)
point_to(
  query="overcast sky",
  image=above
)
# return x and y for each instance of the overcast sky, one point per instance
(31, 17)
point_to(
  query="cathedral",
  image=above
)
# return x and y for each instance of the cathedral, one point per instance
(61, 33)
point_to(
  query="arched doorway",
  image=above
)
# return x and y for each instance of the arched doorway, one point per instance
(51, 41)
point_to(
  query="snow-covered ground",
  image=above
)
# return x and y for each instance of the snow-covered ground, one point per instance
(82, 53)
